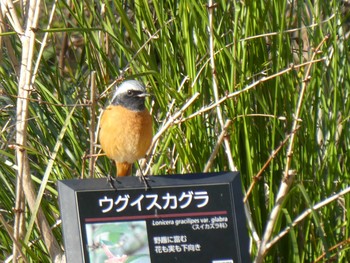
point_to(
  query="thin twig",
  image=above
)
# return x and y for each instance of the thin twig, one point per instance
(37, 213)
(306, 213)
(151, 153)
(7, 41)
(11, 15)
(288, 176)
(40, 101)
(222, 135)
(340, 244)
(18, 229)
(92, 123)
(171, 121)
(24, 184)
(247, 88)
(43, 42)
(34, 242)
(9, 232)
(257, 176)
(289, 30)
(211, 8)
(154, 36)
(64, 46)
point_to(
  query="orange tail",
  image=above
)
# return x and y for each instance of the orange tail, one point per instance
(123, 169)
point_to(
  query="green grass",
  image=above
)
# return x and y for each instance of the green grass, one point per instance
(165, 44)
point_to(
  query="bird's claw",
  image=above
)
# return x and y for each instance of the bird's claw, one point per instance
(111, 181)
(145, 179)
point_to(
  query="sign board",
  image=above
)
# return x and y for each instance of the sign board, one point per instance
(181, 218)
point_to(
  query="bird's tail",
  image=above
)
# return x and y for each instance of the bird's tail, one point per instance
(123, 169)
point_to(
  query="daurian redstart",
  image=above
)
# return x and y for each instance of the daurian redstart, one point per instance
(126, 126)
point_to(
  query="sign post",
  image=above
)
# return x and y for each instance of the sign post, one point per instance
(182, 218)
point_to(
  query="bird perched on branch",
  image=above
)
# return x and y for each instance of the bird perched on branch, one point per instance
(126, 126)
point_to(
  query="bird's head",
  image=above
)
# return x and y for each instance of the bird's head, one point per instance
(131, 95)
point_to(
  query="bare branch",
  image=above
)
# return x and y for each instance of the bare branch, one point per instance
(222, 135)
(92, 123)
(166, 126)
(288, 175)
(211, 8)
(24, 184)
(247, 88)
(306, 213)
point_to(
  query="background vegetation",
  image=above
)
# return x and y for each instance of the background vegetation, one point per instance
(249, 71)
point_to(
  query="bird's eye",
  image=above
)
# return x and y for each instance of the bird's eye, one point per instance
(130, 92)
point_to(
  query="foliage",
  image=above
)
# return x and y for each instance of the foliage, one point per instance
(166, 45)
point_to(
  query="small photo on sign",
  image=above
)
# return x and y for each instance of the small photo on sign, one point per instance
(111, 242)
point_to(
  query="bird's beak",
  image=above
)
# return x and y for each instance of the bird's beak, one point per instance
(142, 95)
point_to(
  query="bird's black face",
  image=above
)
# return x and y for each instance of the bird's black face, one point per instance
(131, 99)
(131, 95)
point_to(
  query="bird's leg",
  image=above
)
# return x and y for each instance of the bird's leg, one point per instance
(111, 181)
(144, 178)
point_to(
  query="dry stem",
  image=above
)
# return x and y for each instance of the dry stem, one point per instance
(211, 8)
(288, 177)
(92, 124)
(222, 135)
(24, 184)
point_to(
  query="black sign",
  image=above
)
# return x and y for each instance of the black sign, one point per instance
(182, 218)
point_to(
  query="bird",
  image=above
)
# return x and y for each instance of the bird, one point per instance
(126, 126)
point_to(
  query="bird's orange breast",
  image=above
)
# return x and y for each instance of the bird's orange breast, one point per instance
(125, 135)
